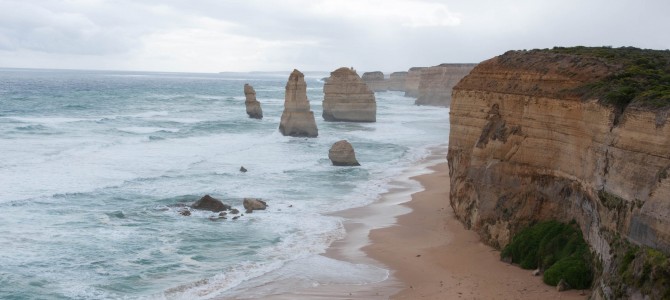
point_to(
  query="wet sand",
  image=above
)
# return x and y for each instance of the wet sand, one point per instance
(412, 232)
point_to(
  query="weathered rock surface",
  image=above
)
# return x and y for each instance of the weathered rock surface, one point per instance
(297, 118)
(251, 204)
(436, 83)
(521, 150)
(347, 98)
(342, 154)
(210, 203)
(412, 81)
(375, 81)
(396, 81)
(253, 106)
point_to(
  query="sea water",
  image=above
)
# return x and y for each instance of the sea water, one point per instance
(94, 166)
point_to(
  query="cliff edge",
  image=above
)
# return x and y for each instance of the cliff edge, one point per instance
(570, 134)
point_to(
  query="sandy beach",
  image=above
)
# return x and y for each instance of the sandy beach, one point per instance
(434, 257)
(412, 232)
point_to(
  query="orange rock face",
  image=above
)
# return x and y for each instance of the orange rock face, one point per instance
(522, 148)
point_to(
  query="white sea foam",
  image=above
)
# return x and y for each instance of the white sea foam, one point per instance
(95, 190)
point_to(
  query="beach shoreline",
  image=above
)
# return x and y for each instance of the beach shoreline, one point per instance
(412, 233)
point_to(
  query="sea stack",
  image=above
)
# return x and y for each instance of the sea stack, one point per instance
(375, 81)
(347, 98)
(297, 119)
(253, 106)
(342, 154)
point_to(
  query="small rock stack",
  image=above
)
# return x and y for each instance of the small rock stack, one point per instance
(253, 106)
(347, 98)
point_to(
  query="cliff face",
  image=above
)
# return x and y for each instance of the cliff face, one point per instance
(347, 98)
(396, 81)
(375, 81)
(297, 118)
(412, 81)
(436, 83)
(524, 147)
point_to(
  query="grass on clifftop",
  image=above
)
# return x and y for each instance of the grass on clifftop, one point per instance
(644, 79)
(557, 248)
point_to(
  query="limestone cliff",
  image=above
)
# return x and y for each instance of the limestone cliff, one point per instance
(396, 81)
(253, 106)
(412, 81)
(532, 138)
(375, 81)
(347, 98)
(297, 118)
(435, 83)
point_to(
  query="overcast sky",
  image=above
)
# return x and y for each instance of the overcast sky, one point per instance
(254, 35)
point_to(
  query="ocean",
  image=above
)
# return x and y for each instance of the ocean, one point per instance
(94, 166)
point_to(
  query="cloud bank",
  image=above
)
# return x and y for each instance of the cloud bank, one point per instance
(213, 36)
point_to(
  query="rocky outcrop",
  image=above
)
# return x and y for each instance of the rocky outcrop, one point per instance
(375, 81)
(347, 98)
(210, 203)
(396, 81)
(435, 83)
(528, 144)
(412, 81)
(342, 154)
(297, 118)
(251, 204)
(253, 106)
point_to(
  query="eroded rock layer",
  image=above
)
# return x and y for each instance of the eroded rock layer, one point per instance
(297, 118)
(375, 81)
(524, 147)
(436, 83)
(253, 106)
(347, 98)
(412, 81)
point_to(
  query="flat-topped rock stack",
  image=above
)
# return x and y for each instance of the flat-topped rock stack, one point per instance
(347, 98)
(375, 81)
(297, 118)
(253, 106)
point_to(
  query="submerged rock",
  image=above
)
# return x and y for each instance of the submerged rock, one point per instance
(253, 106)
(210, 203)
(342, 154)
(251, 204)
(297, 118)
(185, 212)
(243, 169)
(347, 98)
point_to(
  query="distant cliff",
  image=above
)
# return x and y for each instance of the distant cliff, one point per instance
(436, 83)
(570, 134)
(430, 85)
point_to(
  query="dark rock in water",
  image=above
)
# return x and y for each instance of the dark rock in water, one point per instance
(251, 204)
(562, 286)
(249, 211)
(216, 218)
(223, 214)
(236, 217)
(185, 212)
(210, 203)
(234, 211)
(243, 169)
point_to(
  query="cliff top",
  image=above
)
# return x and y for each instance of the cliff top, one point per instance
(616, 76)
(642, 80)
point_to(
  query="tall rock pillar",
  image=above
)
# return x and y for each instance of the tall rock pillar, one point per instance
(297, 118)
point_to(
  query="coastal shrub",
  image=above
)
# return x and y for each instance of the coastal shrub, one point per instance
(555, 247)
(643, 268)
(644, 77)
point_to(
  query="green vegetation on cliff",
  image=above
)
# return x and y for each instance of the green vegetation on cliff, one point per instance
(641, 268)
(557, 248)
(644, 77)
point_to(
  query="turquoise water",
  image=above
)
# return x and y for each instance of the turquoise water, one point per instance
(95, 164)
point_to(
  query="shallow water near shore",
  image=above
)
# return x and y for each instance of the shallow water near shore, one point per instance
(94, 164)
